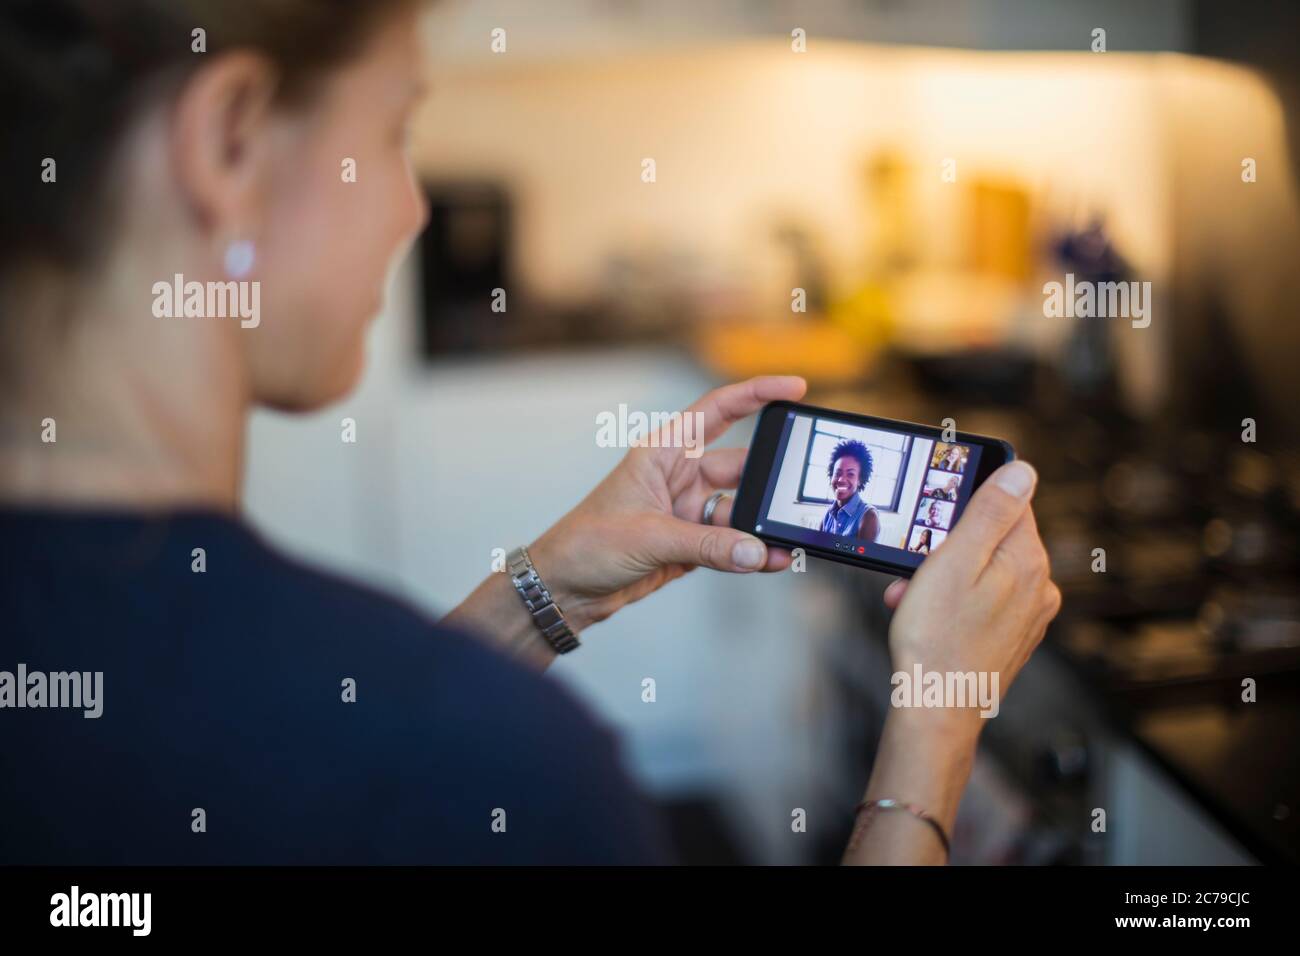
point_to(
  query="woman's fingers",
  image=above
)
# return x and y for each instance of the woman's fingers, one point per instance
(894, 593)
(727, 405)
(1022, 554)
(993, 511)
(722, 513)
(718, 471)
(778, 559)
(721, 468)
(674, 541)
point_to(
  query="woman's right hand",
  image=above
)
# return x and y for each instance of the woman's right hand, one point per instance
(983, 600)
(979, 603)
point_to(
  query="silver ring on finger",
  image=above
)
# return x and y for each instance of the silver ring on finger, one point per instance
(711, 505)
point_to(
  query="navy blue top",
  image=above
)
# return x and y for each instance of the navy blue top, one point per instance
(223, 690)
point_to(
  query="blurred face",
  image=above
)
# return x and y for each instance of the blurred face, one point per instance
(328, 237)
(845, 477)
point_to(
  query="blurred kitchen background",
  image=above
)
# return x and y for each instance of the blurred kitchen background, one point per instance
(920, 171)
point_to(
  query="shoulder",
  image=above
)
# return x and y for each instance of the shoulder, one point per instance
(314, 719)
(869, 523)
(326, 617)
(458, 735)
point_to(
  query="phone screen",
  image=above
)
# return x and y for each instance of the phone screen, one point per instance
(870, 491)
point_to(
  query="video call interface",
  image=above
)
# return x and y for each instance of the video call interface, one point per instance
(865, 491)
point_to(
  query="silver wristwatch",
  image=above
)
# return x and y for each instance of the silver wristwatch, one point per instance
(546, 614)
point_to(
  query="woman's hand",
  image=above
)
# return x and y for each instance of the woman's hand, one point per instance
(641, 527)
(983, 601)
(980, 603)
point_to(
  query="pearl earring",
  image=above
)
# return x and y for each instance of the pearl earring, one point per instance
(240, 256)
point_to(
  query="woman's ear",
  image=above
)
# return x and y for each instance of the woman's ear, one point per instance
(218, 149)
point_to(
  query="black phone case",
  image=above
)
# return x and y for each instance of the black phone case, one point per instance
(861, 562)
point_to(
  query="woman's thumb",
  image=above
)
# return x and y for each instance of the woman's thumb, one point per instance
(723, 549)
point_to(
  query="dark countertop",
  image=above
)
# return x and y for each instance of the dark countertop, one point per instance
(1238, 761)
(1242, 765)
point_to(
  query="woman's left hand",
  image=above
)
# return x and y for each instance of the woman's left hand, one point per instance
(641, 527)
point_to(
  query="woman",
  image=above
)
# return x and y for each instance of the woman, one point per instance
(922, 545)
(849, 515)
(252, 710)
(933, 518)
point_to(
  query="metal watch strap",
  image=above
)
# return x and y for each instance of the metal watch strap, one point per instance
(546, 614)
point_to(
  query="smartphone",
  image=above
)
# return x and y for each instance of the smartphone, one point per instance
(871, 492)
